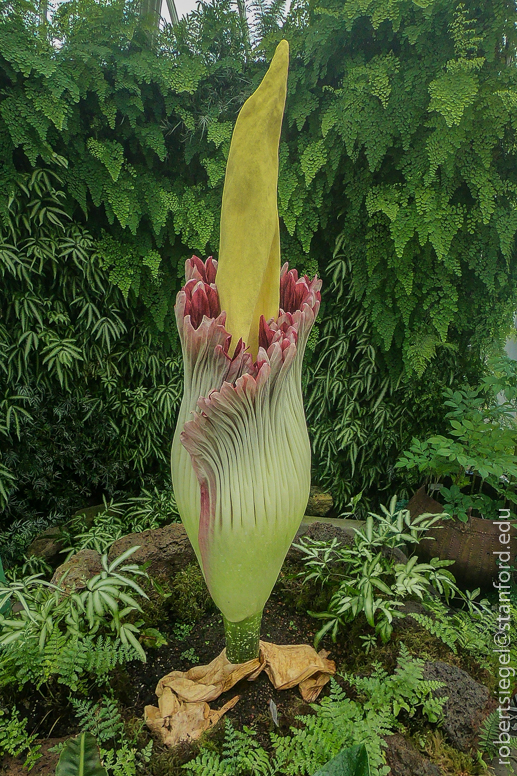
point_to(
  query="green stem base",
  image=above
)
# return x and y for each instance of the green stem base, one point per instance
(242, 638)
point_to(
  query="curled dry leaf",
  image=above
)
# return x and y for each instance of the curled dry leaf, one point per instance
(183, 713)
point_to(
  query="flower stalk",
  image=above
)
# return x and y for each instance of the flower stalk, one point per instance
(242, 638)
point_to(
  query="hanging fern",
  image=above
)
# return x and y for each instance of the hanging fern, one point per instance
(397, 180)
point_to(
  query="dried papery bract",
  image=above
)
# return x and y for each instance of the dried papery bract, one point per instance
(241, 453)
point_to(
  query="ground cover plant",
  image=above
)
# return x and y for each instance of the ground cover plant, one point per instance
(338, 723)
(370, 582)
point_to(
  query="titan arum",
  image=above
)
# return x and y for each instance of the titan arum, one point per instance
(241, 456)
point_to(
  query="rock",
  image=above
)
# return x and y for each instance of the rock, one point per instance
(79, 570)
(322, 532)
(500, 769)
(404, 759)
(166, 550)
(320, 503)
(47, 545)
(464, 711)
(90, 513)
(405, 623)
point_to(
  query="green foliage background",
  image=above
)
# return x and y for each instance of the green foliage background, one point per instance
(88, 397)
(398, 184)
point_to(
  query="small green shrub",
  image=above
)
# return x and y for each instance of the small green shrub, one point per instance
(369, 580)
(67, 636)
(151, 509)
(479, 449)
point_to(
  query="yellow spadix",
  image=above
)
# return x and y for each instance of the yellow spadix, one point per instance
(248, 274)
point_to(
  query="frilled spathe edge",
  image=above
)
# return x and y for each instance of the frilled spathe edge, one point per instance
(200, 320)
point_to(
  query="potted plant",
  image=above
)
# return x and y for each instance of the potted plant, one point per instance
(470, 475)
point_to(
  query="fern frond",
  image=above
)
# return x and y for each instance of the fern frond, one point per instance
(102, 719)
(207, 763)
(15, 740)
(489, 733)
(440, 629)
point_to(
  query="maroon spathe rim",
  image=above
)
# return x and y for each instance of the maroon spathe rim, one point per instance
(199, 300)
